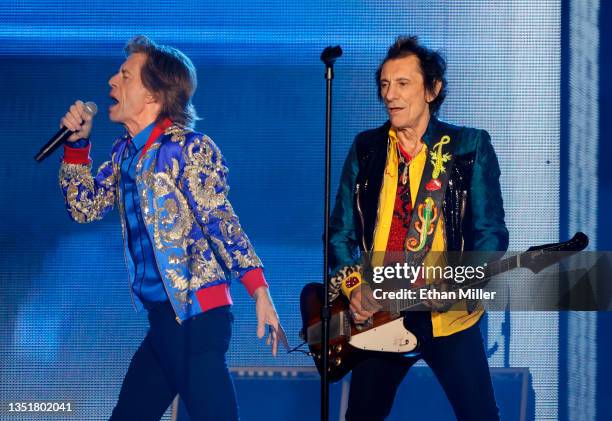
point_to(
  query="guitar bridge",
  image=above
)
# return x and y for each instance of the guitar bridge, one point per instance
(339, 325)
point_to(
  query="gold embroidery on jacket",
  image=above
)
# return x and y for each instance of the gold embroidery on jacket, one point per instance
(172, 220)
(191, 264)
(247, 260)
(177, 280)
(222, 251)
(171, 217)
(173, 259)
(200, 164)
(177, 134)
(84, 201)
(183, 298)
(202, 269)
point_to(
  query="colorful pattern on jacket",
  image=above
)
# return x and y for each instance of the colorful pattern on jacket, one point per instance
(182, 184)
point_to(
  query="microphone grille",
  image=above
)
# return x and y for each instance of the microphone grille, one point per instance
(91, 108)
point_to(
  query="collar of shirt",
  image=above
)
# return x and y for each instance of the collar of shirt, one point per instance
(394, 140)
(141, 138)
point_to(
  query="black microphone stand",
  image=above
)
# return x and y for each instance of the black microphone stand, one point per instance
(328, 56)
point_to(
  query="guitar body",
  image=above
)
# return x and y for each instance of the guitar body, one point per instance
(350, 344)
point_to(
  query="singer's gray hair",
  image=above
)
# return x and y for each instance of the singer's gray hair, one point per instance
(170, 76)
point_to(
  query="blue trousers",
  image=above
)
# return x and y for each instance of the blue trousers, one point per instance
(188, 359)
(458, 361)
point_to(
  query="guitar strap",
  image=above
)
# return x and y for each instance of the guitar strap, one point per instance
(428, 204)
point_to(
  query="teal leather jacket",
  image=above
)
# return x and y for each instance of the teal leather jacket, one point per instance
(472, 208)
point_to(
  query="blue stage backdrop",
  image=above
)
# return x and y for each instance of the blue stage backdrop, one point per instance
(68, 328)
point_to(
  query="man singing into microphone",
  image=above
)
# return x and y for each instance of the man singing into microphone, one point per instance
(183, 242)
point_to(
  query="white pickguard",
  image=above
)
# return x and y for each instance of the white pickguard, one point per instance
(389, 337)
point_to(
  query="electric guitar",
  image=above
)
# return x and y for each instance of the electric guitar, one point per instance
(386, 331)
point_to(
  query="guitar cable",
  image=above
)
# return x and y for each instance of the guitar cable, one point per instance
(297, 349)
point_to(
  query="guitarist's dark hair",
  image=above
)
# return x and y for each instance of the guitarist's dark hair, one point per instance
(433, 66)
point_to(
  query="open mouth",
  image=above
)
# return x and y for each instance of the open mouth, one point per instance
(114, 101)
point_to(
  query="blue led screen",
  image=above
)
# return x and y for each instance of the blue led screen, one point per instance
(69, 327)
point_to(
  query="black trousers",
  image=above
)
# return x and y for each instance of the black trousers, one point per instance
(188, 359)
(458, 361)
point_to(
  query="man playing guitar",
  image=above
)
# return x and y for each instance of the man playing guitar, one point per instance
(412, 186)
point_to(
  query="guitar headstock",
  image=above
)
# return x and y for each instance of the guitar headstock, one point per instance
(537, 258)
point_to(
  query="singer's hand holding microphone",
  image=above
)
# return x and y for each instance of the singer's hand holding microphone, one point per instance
(75, 125)
(79, 120)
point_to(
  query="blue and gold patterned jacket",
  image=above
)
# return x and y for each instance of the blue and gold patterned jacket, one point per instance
(181, 180)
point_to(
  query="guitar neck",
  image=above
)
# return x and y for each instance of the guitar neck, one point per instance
(500, 266)
(535, 259)
(491, 269)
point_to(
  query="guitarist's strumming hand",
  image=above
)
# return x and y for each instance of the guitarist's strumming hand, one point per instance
(363, 304)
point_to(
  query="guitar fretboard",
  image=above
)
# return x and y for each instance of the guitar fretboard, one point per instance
(490, 270)
(536, 258)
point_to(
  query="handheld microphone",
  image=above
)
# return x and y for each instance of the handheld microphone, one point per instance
(60, 137)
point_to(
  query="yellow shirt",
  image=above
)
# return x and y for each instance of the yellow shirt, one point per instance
(457, 318)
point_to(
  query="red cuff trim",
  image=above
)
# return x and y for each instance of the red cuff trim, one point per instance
(253, 279)
(213, 297)
(77, 155)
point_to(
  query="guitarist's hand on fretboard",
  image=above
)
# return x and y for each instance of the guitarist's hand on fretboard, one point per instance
(363, 304)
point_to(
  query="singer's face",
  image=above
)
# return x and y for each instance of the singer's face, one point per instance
(128, 91)
(403, 92)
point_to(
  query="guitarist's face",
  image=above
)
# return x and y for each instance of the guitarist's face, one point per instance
(403, 91)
